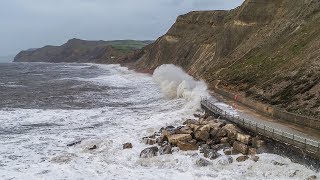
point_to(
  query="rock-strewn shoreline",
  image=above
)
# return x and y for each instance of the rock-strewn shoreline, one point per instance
(212, 137)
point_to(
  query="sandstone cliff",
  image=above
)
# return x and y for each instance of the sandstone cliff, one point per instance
(76, 50)
(268, 50)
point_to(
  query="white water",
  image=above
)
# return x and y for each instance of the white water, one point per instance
(164, 99)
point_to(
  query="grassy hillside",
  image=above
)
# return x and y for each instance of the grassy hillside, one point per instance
(77, 50)
(267, 50)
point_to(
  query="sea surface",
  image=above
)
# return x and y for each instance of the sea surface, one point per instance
(44, 107)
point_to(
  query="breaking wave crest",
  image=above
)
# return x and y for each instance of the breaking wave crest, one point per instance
(175, 83)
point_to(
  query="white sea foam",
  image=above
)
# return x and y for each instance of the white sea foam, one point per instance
(41, 152)
(175, 83)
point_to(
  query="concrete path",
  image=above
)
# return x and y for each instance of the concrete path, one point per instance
(246, 113)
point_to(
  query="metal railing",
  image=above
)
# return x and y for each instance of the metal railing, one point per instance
(266, 131)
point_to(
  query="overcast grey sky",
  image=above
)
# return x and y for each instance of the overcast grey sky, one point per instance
(34, 23)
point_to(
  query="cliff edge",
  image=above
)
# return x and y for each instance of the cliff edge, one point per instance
(268, 50)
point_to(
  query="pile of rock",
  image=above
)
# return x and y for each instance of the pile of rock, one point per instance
(208, 134)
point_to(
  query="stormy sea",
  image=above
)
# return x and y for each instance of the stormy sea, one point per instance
(69, 121)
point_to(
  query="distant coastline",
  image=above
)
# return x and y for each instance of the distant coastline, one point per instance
(83, 51)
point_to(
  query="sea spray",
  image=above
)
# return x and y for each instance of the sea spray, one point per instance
(34, 134)
(175, 83)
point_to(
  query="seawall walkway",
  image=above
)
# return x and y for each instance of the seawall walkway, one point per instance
(308, 142)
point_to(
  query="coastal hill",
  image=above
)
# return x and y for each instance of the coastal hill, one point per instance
(267, 50)
(76, 50)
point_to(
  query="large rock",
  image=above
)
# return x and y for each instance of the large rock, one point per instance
(202, 133)
(242, 158)
(242, 148)
(230, 151)
(168, 130)
(149, 152)
(149, 141)
(232, 130)
(214, 131)
(194, 127)
(224, 140)
(185, 146)
(246, 139)
(211, 154)
(175, 138)
(221, 133)
(127, 146)
(184, 130)
(166, 149)
(161, 140)
(255, 158)
(203, 162)
(252, 151)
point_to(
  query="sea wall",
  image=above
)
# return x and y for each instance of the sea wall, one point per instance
(269, 110)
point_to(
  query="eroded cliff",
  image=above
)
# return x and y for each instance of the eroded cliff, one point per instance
(268, 50)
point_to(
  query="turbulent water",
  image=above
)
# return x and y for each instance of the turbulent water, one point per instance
(45, 107)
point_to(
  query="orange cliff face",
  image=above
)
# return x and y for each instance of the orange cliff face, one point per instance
(266, 49)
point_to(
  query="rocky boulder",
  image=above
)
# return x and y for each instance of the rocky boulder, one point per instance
(242, 158)
(186, 146)
(230, 151)
(149, 152)
(203, 162)
(127, 146)
(202, 133)
(221, 133)
(240, 147)
(149, 141)
(255, 158)
(175, 138)
(252, 151)
(191, 121)
(211, 154)
(246, 139)
(184, 130)
(232, 130)
(166, 149)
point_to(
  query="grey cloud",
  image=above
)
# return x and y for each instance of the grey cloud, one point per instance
(34, 23)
